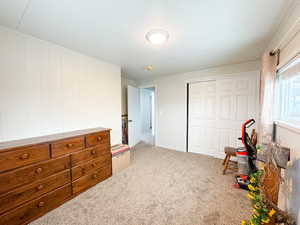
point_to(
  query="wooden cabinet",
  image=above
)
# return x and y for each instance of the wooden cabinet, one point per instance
(89, 154)
(70, 145)
(92, 178)
(85, 168)
(28, 174)
(97, 139)
(23, 156)
(27, 192)
(39, 174)
(37, 207)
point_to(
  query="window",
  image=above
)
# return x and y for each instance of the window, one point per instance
(288, 95)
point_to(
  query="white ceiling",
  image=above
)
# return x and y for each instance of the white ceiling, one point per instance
(203, 33)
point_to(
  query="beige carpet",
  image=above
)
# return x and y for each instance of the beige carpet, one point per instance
(161, 187)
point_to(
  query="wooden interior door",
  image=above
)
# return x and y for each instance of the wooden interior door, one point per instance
(217, 110)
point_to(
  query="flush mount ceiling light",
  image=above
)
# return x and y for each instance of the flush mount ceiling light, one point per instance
(157, 36)
(148, 68)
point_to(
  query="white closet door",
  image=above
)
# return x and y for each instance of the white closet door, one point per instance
(217, 110)
(202, 117)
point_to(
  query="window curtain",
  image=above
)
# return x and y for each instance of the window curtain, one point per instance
(267, 96)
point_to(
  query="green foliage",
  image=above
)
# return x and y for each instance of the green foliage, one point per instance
(261, 213)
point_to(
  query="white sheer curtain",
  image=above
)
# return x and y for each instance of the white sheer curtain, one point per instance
(267, 96)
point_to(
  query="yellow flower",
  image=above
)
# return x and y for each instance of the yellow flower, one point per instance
(267, 220)
(251, 188)
(244, 222)
(252, 223)
(250, 196)
(256, 206)
(252, 180)
(255, 212)
(272, 212)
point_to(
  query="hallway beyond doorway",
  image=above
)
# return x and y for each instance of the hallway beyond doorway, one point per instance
(147, 104)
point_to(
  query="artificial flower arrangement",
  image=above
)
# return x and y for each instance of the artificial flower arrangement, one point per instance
(264, 211)
(262, 214)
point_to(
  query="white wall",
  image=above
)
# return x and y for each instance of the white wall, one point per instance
(171, 101)
(289, 198)
(287, 39)
(124, 83)
(45, 89)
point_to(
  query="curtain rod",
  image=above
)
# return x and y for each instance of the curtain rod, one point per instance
(274, 52)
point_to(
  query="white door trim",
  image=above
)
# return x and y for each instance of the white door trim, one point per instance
(221, 76)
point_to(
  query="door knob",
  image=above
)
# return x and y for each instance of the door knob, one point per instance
(41, 204)
(39, 170)
(93, 152)
(129, 121)
(24, 156)
(40, 187)
(69, 145)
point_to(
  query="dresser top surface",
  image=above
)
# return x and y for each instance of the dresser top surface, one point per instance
(48, 138)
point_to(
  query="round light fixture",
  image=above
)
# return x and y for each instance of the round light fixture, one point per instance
(148, 68)
(157, 36)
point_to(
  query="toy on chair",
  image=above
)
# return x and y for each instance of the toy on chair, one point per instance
(246, 157)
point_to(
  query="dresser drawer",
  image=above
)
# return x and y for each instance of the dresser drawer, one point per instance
(23, 156)
(91, 179)
(86, 168)
(67, 146)
(98, 139)
(28, 192)
(89, 154)
(36, 208)
(28, 174)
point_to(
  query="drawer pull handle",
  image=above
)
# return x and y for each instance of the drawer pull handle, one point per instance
(69, 145)
(40, 187)
(41, 204)
(24, 156)
(39, 170)
(95, 176)
(93, 152)
(99, 138)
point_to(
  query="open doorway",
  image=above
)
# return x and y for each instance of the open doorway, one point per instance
(147, 113)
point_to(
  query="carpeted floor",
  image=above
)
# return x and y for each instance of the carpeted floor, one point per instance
(161, 187)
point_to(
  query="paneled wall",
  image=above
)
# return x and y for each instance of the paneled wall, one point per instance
(45, 89)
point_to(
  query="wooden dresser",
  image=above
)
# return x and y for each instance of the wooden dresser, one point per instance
(39, 174)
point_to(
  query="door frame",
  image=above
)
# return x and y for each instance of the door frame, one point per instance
(187, 115)
(155, 109)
